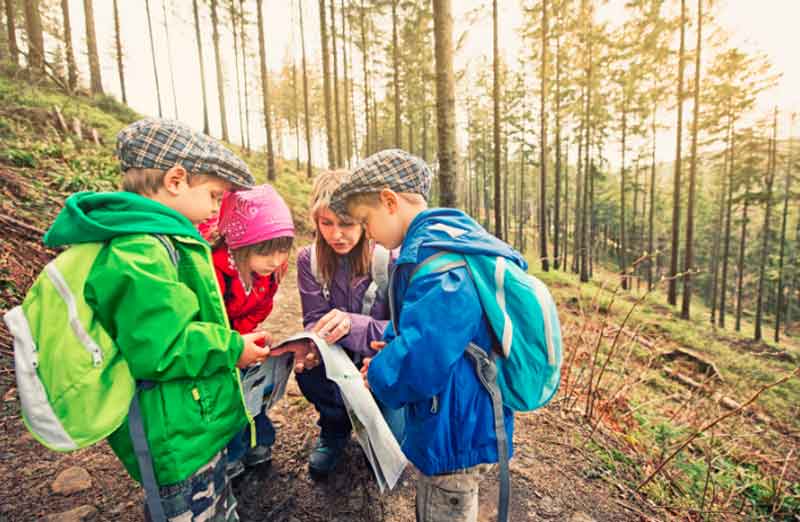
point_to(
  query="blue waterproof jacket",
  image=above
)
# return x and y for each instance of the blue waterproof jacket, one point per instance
(449, 421)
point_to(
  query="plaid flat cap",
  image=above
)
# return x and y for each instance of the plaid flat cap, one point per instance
(162, 144)
(391, 168)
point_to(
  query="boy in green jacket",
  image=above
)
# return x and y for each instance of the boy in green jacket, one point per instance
(153, 289)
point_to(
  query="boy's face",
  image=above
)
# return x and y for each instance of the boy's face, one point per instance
(197, 201)
(381, 222)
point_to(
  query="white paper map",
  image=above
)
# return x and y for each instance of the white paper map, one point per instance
(373, 434)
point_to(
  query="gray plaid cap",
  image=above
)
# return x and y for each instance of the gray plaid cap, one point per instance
(162, 144)
(391, 168)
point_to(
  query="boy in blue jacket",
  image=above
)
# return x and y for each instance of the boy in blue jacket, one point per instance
(450, 432)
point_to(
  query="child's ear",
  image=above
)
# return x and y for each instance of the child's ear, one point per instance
(389, 199)
(174, 178)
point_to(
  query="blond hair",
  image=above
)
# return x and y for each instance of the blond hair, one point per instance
(147, 182)
(327, 258)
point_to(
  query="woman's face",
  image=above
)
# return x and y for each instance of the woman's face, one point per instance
(341, 235)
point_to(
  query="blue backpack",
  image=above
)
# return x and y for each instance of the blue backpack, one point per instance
(523, 370)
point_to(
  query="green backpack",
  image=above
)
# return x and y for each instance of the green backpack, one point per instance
(74, 386)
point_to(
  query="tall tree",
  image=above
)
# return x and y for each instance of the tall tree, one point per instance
(786, 195)
(347, 91)
(740, 265)
(305, 92)
(336, 112)
(243, 33)
(672, 296)
(153, 54)
(11, 31)
(364, 56)
(199, 41)
(543, 148)
(498, 216)
(762, 269)
(237, 70)
(689, 259)
(72, 67)
(265, 94)
(33, 28)
(445, 101)
(220, 77)
(169, 59)
(396, 67)
(326, 82)
(96, 82)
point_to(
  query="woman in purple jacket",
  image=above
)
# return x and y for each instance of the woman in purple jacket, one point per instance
(342, 278)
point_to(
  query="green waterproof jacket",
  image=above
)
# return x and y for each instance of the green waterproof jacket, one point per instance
(169, 323)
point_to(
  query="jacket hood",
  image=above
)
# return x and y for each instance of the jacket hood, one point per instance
(452, 230)
(100, 216)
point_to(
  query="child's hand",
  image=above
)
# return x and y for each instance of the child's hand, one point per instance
(252, 352)
(377, 346)
(306, 354)
(333, 326)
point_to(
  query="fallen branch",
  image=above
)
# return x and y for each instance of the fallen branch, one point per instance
(22, 226)
(716, 421)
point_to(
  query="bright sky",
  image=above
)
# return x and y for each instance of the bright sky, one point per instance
(766, 25)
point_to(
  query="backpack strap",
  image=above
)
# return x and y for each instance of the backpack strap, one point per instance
(143, 455)
(174, 256)
(486, 368)
(379, 270)
(326, 292)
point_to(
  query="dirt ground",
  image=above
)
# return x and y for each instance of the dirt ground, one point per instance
(552, 479)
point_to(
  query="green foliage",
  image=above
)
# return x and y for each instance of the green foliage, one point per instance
(20, 158)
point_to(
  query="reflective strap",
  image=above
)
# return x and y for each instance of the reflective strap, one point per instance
(173, 254)
(487, 374)
(500, 296)
(369, 298)
(80, 332)
(326, 293)
(544, 297)
(379, 270)
(457, 261)
(144, 459)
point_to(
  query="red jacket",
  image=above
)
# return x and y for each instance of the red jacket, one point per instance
(245, 311)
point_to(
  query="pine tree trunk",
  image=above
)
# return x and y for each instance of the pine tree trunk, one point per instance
(651, 213)
(271, 174)
(348, 140)
(326, 82)
(576, 234)
(672, 296)
(545, 260)
(169, 60)
(728, 221)
(718, 224)
(396, 66)
(220, 78)
(565, 239)
(243, 33)
(11, 30)
(153, 56)
(309, 173)
(498, 217)
(206, 128)
(33, 29)
(336, 112)
(786, 192)
(72, 67)
(766, 231)
(689, 259)
(505, 190)
(586, 212)
(623, 263)
(237, 69)
(557, 248)
(740, 274)
(368, 144)
(445, 101)
(91, 45)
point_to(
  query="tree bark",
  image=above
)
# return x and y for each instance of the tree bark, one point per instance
(220, 78)
(309, 173)
(11, 30)
(243, 45)
(652, 205)
(557, 248)
(91, 45)
(396, 66)
(545, 260)
(153, 56)
(672, 296)
(33, 29)
(689, 259)
(202, 66)
(271, 174)
(766, 230)
(728, 221)
(445, 101)
(623, 263)
(326, 82)
(348, 140)
(740, 274)
(72, 67)
(786, 192)
(364, 53)
(337, 113)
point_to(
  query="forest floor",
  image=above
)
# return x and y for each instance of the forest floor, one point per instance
(658, 384)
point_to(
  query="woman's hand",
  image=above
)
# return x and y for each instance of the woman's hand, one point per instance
(306, 354)
(333, 326)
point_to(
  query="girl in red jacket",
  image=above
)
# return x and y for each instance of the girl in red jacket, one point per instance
(255, 236)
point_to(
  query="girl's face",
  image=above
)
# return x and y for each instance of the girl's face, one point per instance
(341, 235)
(265, 264)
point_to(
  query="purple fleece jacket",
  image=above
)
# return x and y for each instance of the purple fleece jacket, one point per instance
(346, 295)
